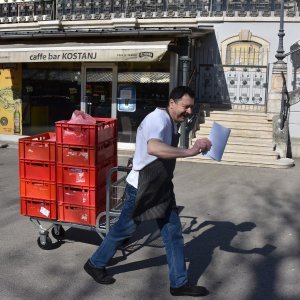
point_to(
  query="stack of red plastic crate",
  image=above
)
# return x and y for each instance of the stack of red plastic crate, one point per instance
(37, 156)
(85, 154)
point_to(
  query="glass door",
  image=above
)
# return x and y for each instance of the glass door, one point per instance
(99, 90)
(50, 93)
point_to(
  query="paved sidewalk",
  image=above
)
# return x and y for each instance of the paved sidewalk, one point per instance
(259, 260)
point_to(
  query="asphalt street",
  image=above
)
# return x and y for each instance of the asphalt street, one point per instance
(241, 228)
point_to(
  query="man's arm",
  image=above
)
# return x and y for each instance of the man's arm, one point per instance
(162, 150)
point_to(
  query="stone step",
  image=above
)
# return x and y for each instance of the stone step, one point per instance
(236, 114)
(259, 148)
(250, 157)
(241, 132)
(252, 141)
(235, 124)
(124, 153)
(233, 118)
(249, 120)
(277, 164)
(244, 148)
(244, 141)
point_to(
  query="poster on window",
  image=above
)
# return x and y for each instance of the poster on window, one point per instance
(10, 99)
(127, 98)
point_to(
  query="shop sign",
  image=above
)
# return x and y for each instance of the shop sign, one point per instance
(127, 99)
(59, 56)
(65, 56)
(10, 99)
(89, 52)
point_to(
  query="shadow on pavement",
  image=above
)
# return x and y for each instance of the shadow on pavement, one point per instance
(199, 251)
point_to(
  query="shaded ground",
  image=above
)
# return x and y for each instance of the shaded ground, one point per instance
(241, 229)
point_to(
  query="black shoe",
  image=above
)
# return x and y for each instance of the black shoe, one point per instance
(189, 290)
(99, 274)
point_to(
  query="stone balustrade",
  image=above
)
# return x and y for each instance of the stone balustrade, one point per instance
(17, 11)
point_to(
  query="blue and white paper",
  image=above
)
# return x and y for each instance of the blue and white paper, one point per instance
(218, 136)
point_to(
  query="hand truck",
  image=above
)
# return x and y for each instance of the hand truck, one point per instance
(114, 202)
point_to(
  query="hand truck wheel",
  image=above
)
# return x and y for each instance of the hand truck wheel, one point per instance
(58, 232)
(44, 242)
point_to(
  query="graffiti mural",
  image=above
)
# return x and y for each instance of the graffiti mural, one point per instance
(10, 99)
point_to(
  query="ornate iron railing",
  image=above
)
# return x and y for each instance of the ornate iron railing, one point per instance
(12, 11)
(285, 104)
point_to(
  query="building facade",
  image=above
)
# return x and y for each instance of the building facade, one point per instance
(121, 58)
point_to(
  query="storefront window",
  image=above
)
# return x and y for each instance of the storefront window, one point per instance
(141, 88)
(51, 92)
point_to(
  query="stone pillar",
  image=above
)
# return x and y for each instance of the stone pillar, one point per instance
(185, 74)
(275, 94)
(280, 137)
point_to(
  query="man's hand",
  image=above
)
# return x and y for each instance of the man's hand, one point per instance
(200, 145)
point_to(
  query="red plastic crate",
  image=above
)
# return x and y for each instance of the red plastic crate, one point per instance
(78, 214)
(84, 176)
(86, 156)
(38, 170)
(38, 189)
(83, 196)
(39, 208)
(86, 135)
(38, 147)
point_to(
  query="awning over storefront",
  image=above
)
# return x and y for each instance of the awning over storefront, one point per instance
(84, 52)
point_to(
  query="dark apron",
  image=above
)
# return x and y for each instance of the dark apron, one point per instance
(155, 193)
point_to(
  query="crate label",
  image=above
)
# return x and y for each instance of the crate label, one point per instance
(44, 211)
(80, 177)
(84, 217)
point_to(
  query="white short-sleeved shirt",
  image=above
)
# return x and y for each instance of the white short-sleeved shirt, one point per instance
(156, 125)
